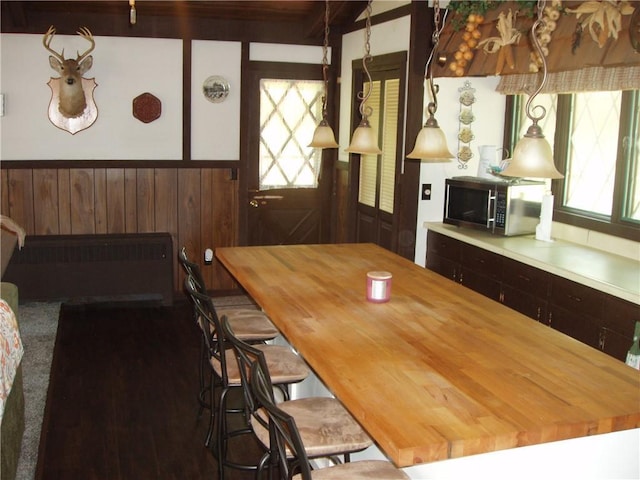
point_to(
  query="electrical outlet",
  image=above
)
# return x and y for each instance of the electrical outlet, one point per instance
(426, 191)
(208, 256)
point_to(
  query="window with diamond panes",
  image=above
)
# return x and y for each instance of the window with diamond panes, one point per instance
(289, 113)
(597, 149)
(592, 152)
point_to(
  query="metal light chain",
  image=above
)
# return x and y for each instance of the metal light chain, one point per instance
(432, 107)
(325, 61)
(366, 111)
(534, 38)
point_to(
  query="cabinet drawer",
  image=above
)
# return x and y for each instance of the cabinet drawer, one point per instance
(576, 298)
(576, 325)
(482, 262)
(614, 344)
(443, 246)
(487, 286)
(525, 303)
(443, 266)
(531, 280)
(620, 316)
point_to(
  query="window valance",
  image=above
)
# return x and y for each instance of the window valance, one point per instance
(586, 79)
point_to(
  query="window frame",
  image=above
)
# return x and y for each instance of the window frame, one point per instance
(614, 224)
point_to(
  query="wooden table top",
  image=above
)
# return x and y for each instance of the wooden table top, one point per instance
(439, 371)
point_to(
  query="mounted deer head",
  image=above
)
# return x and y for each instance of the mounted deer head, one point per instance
(72, 97)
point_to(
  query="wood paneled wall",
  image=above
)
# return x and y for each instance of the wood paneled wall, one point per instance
(197, 206)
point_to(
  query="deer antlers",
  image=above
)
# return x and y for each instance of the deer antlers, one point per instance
(84, 32)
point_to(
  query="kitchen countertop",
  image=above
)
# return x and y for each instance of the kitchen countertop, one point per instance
(613, 274)
(439, 372)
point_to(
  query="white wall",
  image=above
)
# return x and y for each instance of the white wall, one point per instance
(488, 128)
(389, 37)
(215, 127)
(123, 68)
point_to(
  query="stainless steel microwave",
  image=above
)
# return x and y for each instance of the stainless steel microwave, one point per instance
(501, 207)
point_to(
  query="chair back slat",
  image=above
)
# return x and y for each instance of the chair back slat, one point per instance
(192, 269)
(209, 323)
(285, 439)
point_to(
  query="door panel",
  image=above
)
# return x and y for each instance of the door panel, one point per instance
(284, 217)
(285, 192)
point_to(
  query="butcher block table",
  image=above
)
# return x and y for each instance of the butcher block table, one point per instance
(439, 371)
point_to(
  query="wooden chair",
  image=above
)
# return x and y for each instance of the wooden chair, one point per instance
(226, 375)
(252, 325)
(289, 444)
(331, 430)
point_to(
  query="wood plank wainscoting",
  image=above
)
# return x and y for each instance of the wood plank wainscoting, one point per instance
(197, 206)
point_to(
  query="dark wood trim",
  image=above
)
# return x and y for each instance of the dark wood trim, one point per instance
(116, 24)
(419, 46)
(245, 105)
(383, 17)
(186, 98)
(121, 163)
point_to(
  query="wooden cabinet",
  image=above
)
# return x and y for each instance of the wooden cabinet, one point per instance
(576, 310)
(586, 314)
(617, 326)
(481, 271)
(444, 255)
(525, 289)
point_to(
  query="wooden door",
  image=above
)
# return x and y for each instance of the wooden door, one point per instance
(377, 177)
(285, 191)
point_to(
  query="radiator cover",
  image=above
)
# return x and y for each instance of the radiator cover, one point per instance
(99, 267)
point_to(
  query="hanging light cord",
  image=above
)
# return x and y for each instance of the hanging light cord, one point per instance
(539, 23)
(432, 107)
(325, 61)
(366, 111)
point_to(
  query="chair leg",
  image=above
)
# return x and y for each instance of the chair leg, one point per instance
(201, 376)
(212, 414)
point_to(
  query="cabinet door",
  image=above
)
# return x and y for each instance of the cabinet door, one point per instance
(577, 325)
(525, 288)
(481, 271)
(443, 266)
(445, 247)
(614, 344)
(576, 310)
(443, 255)
(523, 302)
(617, 326)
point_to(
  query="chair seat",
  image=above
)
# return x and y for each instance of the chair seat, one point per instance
(249, 324)
(286, 366)
(369, 469)
(324, 424)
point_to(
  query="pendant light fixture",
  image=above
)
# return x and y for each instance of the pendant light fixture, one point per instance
(532, 157)
(365, 139)
(431, 143)
(323, 136)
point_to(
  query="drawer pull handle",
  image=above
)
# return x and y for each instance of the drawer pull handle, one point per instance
(522, 277)
(574, 298)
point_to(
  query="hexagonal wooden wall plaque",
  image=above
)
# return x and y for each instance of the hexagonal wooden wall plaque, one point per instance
(147, 107)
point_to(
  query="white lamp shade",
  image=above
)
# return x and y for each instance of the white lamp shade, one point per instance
(532, 158)
(431, 144)
(364, 141)
(323, 137)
